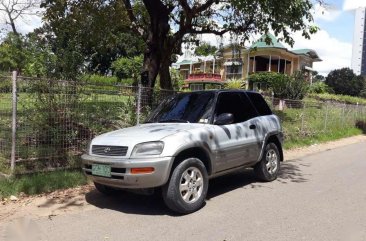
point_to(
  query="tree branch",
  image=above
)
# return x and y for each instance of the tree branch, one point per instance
(129, 10)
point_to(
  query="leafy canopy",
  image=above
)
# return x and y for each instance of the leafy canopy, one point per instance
(205, 49)
(345, 82)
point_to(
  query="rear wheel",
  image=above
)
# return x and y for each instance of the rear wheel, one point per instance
(267, 169)
(187, 188)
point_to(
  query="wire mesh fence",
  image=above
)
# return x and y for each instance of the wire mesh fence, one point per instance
(312, 118)
(56, 119)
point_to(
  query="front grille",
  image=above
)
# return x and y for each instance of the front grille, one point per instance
(109, 150)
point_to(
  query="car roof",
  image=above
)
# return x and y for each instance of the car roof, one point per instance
(219, 91)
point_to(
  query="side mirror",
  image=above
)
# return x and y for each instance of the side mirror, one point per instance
(224, 119)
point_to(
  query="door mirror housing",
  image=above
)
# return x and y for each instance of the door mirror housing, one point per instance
(224, 119)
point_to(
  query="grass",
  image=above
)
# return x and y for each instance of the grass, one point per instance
(318, 123)
(321, 138)
(339, 98)
(41, 183)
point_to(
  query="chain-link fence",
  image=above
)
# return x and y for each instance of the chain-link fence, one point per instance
(56, 119)
(311, 118)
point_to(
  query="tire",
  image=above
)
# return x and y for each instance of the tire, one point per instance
(187, 187)
(267, 169)
(105, 189)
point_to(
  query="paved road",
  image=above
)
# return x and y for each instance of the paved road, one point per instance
(319, 197)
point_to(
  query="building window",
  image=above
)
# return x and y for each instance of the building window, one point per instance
(195, 87)
(234, 72)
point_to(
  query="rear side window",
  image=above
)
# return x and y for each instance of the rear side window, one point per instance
(234, 103)
(259, 103)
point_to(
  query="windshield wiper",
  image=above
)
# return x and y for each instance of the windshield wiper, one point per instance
(174, 120)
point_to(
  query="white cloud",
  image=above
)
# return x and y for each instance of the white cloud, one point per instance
(327, 13)
(24, 24)
(334, 53)
(353, 4)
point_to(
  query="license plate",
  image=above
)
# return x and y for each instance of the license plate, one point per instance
(101, 170)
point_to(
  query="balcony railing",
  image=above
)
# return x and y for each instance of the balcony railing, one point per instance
(205, 76)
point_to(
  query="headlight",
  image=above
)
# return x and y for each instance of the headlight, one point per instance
(148, 148)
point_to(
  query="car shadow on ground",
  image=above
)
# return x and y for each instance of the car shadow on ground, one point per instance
(126, 202)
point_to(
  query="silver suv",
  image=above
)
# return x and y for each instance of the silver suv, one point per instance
(187, 140)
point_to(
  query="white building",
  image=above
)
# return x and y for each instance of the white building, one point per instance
(359, 43)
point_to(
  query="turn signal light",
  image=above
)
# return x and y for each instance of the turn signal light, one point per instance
(142, 170)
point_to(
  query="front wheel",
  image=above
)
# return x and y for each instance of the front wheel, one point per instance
(267, 169)
(187, 188)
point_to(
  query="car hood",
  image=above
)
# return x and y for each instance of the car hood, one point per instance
(143, 133)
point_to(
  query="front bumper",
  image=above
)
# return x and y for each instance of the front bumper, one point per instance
(121, 171)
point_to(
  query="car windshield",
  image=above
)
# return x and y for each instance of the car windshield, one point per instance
(192, 107)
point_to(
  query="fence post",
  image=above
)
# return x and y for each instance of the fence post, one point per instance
(14, 122)
(343, 112)
(138, 103)
(302, 118)
(326, 116)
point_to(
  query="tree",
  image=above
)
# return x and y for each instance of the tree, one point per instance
(317, 77)
(205, 49)
(171, 22)
(345, 82)
(88, 35)
(15, 9)
(12, 56)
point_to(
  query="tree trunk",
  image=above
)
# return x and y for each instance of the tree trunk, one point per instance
(12, 24)
(156, 42)
(164, 72)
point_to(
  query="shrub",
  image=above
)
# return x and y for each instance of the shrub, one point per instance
(5, 85)
(100, 79)
(361, 124)
(235, 84)
(283, 86)
(320, 88)
(128, 68)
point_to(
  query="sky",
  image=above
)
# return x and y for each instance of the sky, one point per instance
(333, 42)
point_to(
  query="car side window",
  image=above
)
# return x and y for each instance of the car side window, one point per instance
(259, 103)
(237, 104)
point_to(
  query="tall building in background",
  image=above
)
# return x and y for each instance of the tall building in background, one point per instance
(359, 43)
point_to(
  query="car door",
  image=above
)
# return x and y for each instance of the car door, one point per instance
(235, 144)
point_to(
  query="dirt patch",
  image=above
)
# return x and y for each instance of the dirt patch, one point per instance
(73, 200)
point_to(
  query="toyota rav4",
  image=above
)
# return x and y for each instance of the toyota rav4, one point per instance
(187, 140)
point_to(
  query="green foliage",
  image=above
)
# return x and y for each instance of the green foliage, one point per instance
(125, 68)
(41, 183)
(339, 98)
(205, 49)
(40, 61)
(96, 79)
(235, 84)
(177, 79)
(88, 35)
(12, 54)
(320, 88)
(345, 82)
(283, 86)
(6, 85)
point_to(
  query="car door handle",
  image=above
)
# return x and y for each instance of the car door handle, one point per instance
(252, 127)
